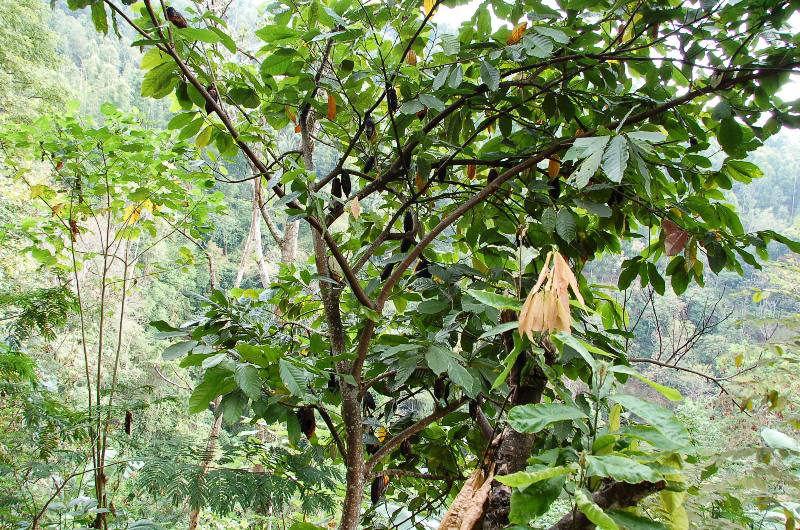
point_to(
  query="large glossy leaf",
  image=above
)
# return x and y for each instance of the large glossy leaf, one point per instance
(620, 468)
(533, 418)
(657, 416)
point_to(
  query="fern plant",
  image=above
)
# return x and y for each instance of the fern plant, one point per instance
(287, 476)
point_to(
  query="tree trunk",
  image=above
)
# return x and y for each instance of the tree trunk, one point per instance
(263, 272)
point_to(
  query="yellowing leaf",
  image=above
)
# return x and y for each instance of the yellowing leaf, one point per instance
(331, 107)
(204, 137)
(411, 58)
(517, 33)
(739, 360)
(57, 208)
(428, 5)
(132, 214)
(37, 190)
(355, 208)
(381, 433)
(420, 182)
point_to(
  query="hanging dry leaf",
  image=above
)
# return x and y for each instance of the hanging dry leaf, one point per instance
(297, 128)
(467, 509)
(490, 128)
(675, 237)
(411, 58)
(57, 208)
(547, 306)
(59, 165)
(331, 107)
(517, 33)
(428, 5)
(420, 182)
(553, 167)
(471, 171)
(355, 208)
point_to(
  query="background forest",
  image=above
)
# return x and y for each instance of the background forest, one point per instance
(730, 343)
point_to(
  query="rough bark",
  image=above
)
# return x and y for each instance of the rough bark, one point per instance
(527, 384)
(515, 448)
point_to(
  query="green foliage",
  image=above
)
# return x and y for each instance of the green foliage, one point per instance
(42, 310)
(286, 476)
(598, 121)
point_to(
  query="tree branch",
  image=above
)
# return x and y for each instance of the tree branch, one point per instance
(396, 440)
(613, 495)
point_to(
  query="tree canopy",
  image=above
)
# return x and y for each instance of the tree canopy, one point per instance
(471, 176)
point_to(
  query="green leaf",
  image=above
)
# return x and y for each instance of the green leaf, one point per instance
(593, 512)
(669, 393)
(534, 500)
(657, 416)
(548, 220)
(160, 81)
(509, 361)
(247, 378)
(438, 359)
(199, 34)
(456, 76)
(497, 301)
(276, 33)
(565, 224)
(631, 521)
(729, 135)
(461, 376)
(498, 329)
(533, 418)
(278, 63)
(656, 280)
(441, 78)
(179, 349)
(293, 377)
(411, 107)
(523, 479)
(217, 382)
(99, 17)
(615, 158)
(490, 76)
(620, 468)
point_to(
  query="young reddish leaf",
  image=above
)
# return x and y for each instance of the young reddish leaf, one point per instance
(675, 237)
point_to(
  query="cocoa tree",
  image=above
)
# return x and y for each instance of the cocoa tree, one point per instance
(479, 167)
